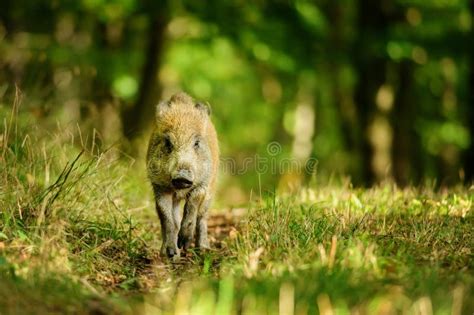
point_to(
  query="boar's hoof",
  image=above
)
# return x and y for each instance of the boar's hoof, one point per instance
(184, 242)
(170, 252)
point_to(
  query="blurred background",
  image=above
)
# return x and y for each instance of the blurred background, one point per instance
(373, 90)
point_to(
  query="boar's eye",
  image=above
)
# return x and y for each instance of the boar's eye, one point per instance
(167, 143)
(197, 143)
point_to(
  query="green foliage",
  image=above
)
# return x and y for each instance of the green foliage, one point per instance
(87, 240)
(255, 63)
(379, 91)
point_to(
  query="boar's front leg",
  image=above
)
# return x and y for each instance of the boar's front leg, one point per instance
(192, 207)
(194, 222)
(169, 228)
(201, 227)
(201, 224)
(188, 224)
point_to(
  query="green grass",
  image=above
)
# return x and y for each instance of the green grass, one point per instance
(78, 234)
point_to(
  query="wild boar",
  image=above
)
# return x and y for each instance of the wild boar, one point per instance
(182, 163)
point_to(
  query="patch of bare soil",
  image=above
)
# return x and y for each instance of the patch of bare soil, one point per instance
(156, 271)
(224, 225)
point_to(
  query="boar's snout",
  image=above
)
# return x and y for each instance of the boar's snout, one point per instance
(182, 179)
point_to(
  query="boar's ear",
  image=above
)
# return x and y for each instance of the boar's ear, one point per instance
(205, 107)
(161, 108)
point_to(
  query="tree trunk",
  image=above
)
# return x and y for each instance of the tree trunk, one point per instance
(138, 118)
(342, 95)
(5, 15)
(405, 154)
(370, 65)
(469, 154)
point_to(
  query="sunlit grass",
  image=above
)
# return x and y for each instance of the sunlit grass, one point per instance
(78, 233)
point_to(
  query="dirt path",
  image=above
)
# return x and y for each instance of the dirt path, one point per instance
(224, 224)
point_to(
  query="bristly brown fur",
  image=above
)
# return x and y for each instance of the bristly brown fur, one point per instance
(184, 125)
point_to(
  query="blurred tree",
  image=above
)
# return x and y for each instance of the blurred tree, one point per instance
(469, 153)
(371, 61)
(361, 85)
(6, 16)
(341, 41)
(405, 152)
(140, 115)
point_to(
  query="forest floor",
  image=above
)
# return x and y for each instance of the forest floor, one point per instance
(78, 234)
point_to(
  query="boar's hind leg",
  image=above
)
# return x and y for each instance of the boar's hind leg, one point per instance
(169, 230)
